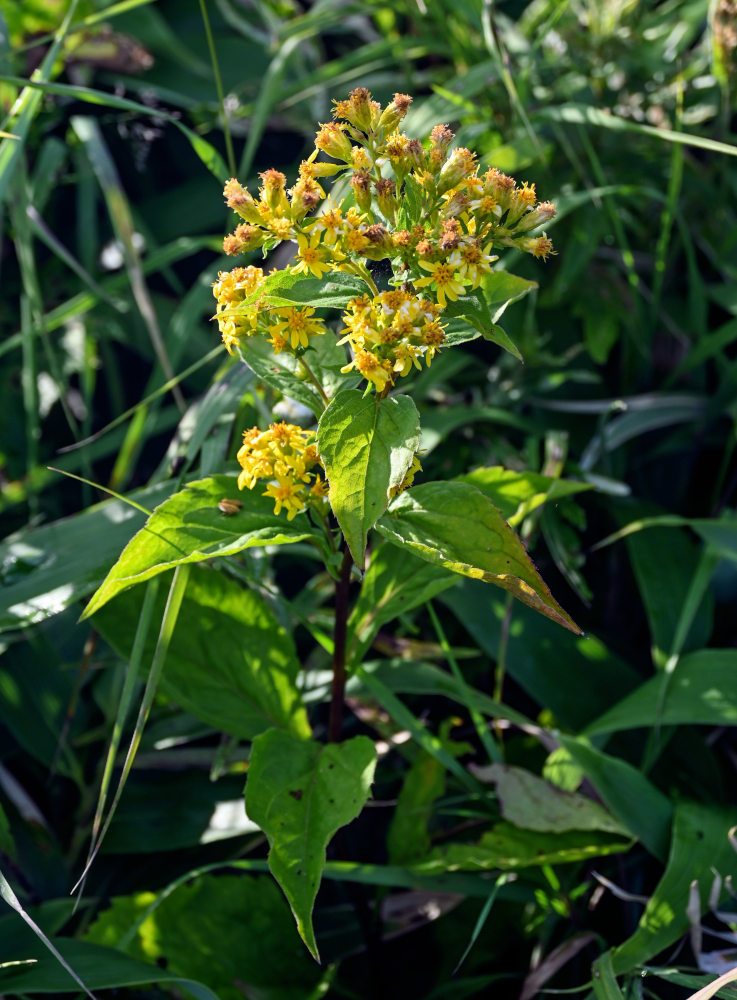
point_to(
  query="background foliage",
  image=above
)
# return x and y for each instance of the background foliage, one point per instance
(611, 450)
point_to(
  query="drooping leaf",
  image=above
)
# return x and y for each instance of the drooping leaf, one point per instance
(532, 803)
(229, 661)
(700, 848)
(367, 446)
(190, 527)
(300, 792)
(455, 526)
(408, 838)
(231, 931)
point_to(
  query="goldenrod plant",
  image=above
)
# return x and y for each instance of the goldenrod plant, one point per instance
(395, 264)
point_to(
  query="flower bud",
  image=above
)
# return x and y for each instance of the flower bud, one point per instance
(393, 113)
(273, 191)
(331, 139)
(238, 198)
(386, 198)
(460, 165)
(361, 184)
(243, 239)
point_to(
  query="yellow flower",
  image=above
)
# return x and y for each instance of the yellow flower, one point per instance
(443, 276)
(285, 494)
(297, 324)
(313, 258)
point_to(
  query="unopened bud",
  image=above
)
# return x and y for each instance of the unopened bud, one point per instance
(238, 198)
(243, 239)
(393, 113)
(361, 184)
(331, 139)
(386, 198)
(460, 165)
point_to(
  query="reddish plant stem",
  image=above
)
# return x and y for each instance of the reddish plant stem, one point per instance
(339, 637)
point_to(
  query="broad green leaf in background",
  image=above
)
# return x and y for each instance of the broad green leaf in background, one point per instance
(46, 569)
(234, 932)
(229, 661)
(189, 527)
(628, 794)
(366, 446)
(408, 839)
(508, 847)
(573, 677)
(517, 494)
(395, 582)
(701, 691)
(700, 849)
(532, 803)
(300, 792)
(455, 526)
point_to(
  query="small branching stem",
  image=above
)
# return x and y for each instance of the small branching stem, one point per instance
(339, 639)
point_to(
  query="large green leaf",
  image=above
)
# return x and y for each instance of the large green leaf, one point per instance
(501, 289)
(455, 526)
(394, 583)
(44, 570)
(300, 792)
(367, 446)
(635, 801)
(473, 309)
(532, 803)
(229, 661)
(507, 846)
(700, 848)
(99, 968)
(283, 288)
(517, 494)
(189, 527)
(701, 691)
(233, 932)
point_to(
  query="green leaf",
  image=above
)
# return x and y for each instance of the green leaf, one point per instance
(100, 968)
(393, 584)
(700, 691)
(627, 793)
(334, 291)
(408, 838)
(700, 848)
(455, 526)
(501, 289)
(189, 527)
(517, 494)
(509, 847)
(300, 792)
(45, 570)
(474, 310)
(367, 446)
(532, 803)
(217, 929)
(229, 661)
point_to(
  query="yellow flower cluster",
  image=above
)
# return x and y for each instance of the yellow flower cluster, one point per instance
(420, 205)
(232, 289)
(286, 456)
(390, 333)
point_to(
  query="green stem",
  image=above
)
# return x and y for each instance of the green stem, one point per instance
(341, 629)
(230, 152)
(315, 381)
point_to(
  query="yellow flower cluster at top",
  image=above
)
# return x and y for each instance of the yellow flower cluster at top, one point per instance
(286, 456)
(422, 206)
